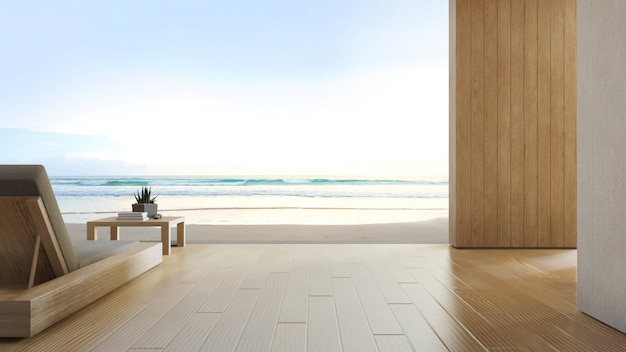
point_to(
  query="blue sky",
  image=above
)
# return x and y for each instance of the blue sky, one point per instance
(225, 87)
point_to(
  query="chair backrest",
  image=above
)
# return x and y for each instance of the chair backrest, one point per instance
(28, 209)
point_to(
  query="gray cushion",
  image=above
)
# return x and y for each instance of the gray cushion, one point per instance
(32, 180)
(88, 252)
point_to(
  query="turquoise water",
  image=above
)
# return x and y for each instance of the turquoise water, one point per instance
(214, 186)
(256, 199)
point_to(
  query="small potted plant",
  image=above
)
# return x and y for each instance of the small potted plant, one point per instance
(145, 201)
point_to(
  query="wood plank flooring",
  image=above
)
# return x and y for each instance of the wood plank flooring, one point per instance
(339, 297)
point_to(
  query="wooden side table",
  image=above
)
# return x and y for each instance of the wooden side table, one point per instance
(165, 223)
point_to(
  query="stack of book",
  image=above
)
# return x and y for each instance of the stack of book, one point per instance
(132, 216)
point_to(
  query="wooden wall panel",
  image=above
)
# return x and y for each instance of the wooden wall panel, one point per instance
(504, 123)
(462, 121)
(452, 121)
(517, 123)
(477, 115)
(491, 124)
(556, 121)
(543, 116)
(530, 123)
(570, 108)
(513, 164)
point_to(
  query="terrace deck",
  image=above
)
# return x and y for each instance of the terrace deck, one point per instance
(339, 297)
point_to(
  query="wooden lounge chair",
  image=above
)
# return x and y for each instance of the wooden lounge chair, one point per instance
(44, 277)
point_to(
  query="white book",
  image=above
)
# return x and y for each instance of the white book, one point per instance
(130, 218)
(132, 213)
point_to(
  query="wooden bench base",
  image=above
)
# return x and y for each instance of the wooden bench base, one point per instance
(28, 312)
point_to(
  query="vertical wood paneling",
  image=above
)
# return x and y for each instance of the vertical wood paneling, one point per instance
(477, 101)
(556, 113)
(514, 123)
(517, 123)
(530, 123)
(452, 107)
(570, 108)
(543, 135)
(491, 123)
(504, 123)
(462, 124)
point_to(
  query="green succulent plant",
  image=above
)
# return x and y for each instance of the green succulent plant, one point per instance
(144, 196)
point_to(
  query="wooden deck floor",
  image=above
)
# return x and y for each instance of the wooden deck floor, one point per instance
(338, 297)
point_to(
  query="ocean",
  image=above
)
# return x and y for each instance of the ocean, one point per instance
(257, 200)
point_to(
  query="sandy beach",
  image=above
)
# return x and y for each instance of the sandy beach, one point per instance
(427, 231)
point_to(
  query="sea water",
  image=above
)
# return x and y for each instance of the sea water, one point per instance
(258, 200)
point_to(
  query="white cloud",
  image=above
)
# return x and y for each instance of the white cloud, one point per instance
(304, 86)
(378, 118)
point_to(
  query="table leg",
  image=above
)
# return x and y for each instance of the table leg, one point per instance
(166, 238)
(180, 234)
(115, 235)
(92, 232)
